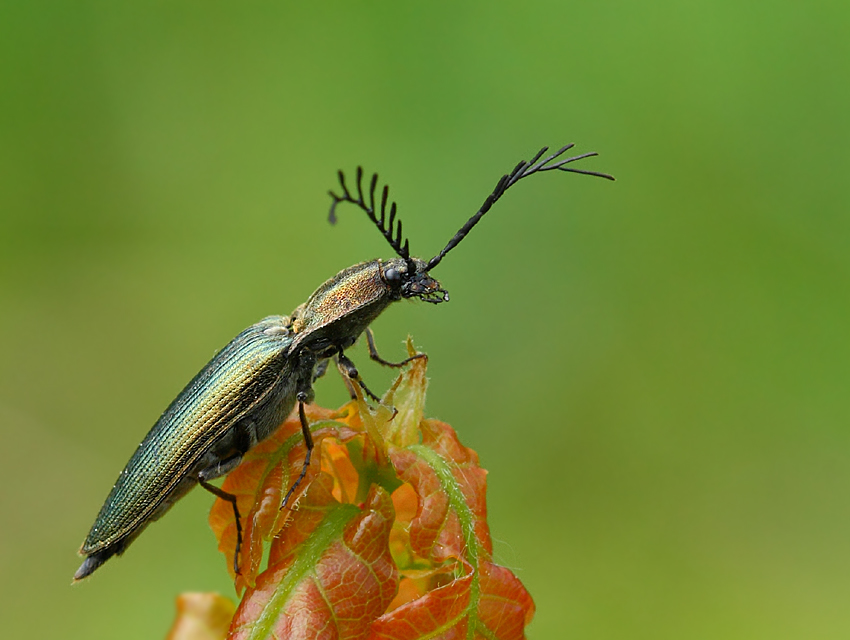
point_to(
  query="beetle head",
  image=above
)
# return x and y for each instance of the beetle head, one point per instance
(413, 283)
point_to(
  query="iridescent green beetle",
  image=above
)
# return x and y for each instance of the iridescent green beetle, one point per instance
(249, 388)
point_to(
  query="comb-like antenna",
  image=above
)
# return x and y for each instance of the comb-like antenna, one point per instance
(394, 238)
(522, 170)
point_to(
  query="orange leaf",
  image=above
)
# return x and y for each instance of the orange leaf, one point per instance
(436, 532)
(505, 607)
(201, 616)
(496, 606)
(260, 483)
(330, 574)
(349, 560)
(464, 595)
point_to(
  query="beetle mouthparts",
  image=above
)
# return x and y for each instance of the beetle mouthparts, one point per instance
(423, 286)
(433, 296)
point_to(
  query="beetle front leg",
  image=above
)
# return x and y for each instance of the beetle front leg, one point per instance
(373, 353)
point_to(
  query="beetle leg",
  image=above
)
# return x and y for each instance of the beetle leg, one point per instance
(308, 441)
(351, 371)
(345, 379)
(232, 500)
(321, 369)
(373, 352)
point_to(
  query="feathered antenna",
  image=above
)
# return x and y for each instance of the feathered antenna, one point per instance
(384, 226)
(522, 170)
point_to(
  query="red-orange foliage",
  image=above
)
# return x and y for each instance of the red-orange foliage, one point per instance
(387, 538)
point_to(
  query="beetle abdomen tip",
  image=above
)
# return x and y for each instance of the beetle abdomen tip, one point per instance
(93, 561)
(89, 566)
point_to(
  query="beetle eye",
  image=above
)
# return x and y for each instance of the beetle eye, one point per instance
(392, 276)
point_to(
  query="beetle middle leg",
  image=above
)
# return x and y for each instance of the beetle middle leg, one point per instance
(308, 442)
(373, 352)
(304, 394)
(346, 380)
(351, 371)
(321, 369)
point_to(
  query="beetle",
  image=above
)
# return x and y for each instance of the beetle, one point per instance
(241, 396)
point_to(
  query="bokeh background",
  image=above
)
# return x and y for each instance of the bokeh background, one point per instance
(655, 371)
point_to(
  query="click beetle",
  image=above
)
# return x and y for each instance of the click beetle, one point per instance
(243, 394)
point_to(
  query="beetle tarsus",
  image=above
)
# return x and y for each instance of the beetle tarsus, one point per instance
(373, 353)
(368, 390)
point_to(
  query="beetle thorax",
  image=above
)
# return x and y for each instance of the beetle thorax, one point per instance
(341, 309)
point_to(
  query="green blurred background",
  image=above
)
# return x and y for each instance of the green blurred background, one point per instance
(655, 371)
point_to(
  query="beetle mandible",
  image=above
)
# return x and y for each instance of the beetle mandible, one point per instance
(243, 394)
